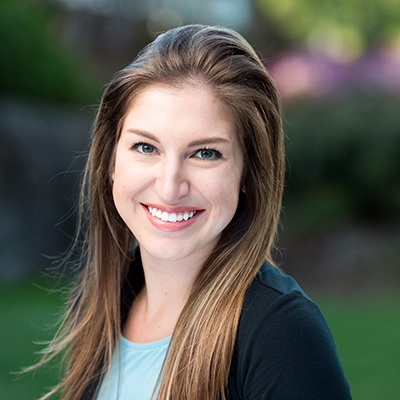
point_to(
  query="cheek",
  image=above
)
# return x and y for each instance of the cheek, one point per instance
(128, 175)
(226, 195)
(128, 185)
(125, 187)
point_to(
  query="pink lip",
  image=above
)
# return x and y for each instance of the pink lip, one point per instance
(169, 209)
(172, 226)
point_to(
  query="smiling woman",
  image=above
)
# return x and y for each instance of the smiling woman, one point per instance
(176, 195)
(178, 297)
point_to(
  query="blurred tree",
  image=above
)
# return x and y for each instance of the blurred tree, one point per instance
(33, 61)
(343, 159)
(341, 28)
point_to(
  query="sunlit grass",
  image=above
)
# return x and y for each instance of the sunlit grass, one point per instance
(366, 331)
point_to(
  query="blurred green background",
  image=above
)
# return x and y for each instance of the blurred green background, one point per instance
(337, 66)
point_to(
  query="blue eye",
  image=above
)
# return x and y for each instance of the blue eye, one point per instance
(208, 154)
(144, 148)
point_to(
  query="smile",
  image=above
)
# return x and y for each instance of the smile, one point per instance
(171, 217)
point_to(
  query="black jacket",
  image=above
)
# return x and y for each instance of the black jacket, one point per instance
(284, 349)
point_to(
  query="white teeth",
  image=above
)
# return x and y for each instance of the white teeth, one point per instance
(173, 217)
(164, 216)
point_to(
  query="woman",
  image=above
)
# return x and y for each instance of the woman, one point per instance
(178, 297)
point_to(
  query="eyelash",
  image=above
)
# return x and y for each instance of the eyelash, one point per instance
(135, 146)
(217, 154)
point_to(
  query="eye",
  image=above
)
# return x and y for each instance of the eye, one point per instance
(208, 154)
(144, 148)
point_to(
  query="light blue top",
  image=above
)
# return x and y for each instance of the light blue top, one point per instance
(136, 377)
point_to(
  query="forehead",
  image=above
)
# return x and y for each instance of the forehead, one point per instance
(196, 86)
(160, 103)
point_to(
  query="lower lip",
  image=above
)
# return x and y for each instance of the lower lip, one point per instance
(171, 226)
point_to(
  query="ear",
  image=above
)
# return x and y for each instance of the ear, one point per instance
(112, 166)
(111, 177)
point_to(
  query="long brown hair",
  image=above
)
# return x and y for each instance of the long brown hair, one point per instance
(200, 353)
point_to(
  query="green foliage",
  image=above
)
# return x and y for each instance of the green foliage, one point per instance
(355, 23)
(343, 158)
(33, 61)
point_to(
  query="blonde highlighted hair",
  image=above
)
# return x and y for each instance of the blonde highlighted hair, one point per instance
(202, 345)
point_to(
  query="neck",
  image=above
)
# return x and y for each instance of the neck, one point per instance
(168, 283)
(155, 311)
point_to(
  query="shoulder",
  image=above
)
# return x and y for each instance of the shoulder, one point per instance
(272, 297)
(284, 345)
(279, 314)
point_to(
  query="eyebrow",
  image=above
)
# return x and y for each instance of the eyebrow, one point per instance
(143, 133)
(199, 142)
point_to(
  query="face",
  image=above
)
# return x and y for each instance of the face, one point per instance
(177, 172)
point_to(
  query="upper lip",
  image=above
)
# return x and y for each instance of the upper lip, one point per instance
(172, 209)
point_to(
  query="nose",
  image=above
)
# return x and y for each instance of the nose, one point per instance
(171, 183)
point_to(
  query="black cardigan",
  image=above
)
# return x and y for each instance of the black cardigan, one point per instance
(284, 349)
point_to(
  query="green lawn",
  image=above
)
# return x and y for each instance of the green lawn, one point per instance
(27, 315)
(367, 333)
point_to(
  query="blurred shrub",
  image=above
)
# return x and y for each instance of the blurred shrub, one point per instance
(33, 60)
(353, 25)
(343, 158)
